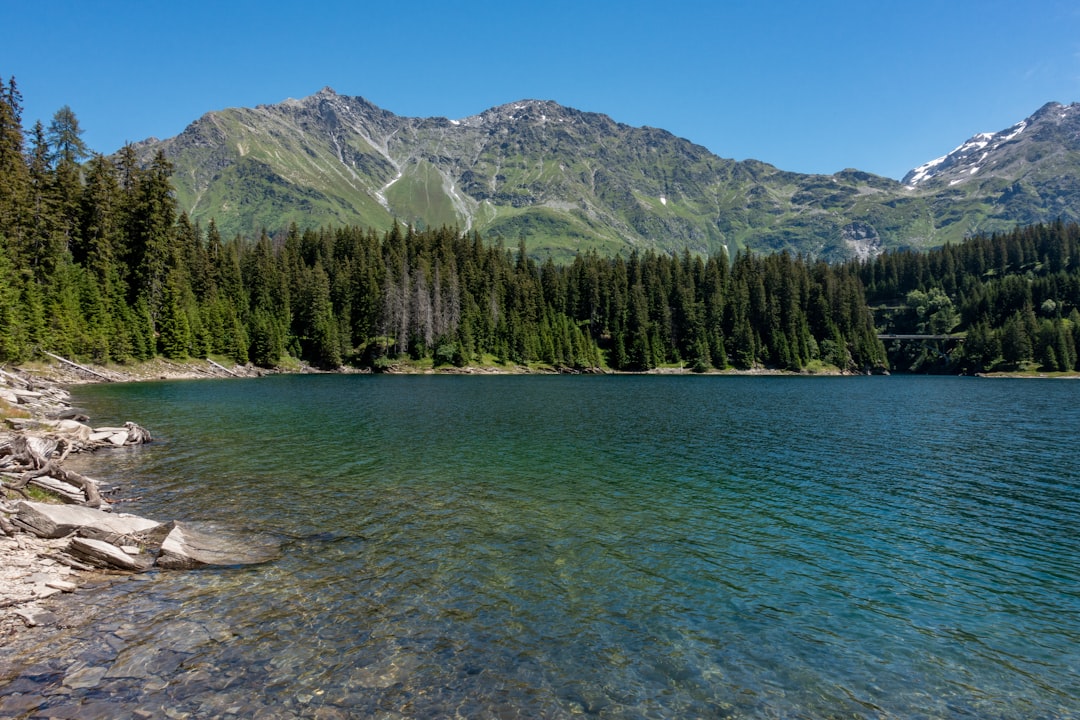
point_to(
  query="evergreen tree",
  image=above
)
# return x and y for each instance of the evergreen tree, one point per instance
(151, 234)
(14, 173)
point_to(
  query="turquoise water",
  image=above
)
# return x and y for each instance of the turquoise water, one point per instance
(622, 547)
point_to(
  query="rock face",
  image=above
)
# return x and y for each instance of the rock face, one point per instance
(187, 548)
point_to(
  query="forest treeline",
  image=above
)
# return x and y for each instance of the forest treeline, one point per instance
(98, 264)
(1013, 297)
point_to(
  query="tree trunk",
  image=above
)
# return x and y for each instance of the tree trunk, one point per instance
(52, 469)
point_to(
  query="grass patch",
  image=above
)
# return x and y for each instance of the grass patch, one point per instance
(7, 410)
(817, 367)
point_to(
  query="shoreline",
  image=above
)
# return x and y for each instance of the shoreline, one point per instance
(38, 579)
(35, 587)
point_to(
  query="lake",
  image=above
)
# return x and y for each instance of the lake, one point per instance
(618, 547)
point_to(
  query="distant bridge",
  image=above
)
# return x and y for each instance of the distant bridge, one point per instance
(894, 336)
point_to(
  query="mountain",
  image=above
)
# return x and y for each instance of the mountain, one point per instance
(568, 181)
(1027, 173)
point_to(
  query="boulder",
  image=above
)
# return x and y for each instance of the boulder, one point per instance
(53, 521)
(27, 395)
(73, 429)
(187, 547)
(106, 555)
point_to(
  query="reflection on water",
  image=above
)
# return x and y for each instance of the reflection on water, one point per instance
(622, 547)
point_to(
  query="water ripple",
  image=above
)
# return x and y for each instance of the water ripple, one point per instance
(622, 547)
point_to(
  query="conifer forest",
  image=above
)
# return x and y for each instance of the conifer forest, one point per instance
(99, 264)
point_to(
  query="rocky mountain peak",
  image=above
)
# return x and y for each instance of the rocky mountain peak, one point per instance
(532, 112)
(988, 151)
(569, 181)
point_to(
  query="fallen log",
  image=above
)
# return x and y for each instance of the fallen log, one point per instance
(52, 469)
(106, 378)
(28, 452)
(221, 367)
(67, 492)
(15, 378)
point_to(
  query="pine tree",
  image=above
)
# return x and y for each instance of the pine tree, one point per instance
(13, 340)
(68, 151)
(151, 234)
(14, 173)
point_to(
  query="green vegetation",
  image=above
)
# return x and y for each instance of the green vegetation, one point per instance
(1013, 298)
(570, 181)
(98, 263)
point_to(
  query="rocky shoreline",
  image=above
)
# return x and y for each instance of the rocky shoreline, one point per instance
(48, 550)
(38, 574)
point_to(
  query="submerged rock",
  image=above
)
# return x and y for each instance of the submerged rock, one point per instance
(187, 547)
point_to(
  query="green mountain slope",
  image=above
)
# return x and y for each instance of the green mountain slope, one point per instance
(569, 181)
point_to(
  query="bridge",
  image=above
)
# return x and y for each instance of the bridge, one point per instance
(895, 336)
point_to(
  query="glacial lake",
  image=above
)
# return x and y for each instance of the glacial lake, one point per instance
(613, 547)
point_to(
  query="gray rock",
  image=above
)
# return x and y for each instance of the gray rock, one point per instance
(43, 591)
(187, 547)
(35, 616)
(106, 555)
(62, 585)
(53, 521)
(86, 677)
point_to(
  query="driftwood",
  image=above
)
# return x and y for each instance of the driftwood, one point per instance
(34, 457)
(95, 373)
(86, 485)
(221, 367)
(15, 378)
(137, 435)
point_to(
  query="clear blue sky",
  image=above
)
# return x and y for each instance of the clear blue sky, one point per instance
(808, 85)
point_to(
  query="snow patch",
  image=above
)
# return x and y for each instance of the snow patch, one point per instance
(1016, 130)
(380, 194)
(961, 156)
(924, 171)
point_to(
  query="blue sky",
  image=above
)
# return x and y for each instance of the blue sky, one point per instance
(809, 86)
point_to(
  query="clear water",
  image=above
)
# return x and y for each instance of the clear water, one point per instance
(622, 547)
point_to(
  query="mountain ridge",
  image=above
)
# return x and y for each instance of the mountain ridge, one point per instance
(568, 181)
